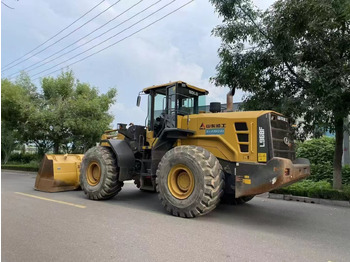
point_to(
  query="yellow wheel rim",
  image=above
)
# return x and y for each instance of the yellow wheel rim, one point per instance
(93, 174)
(180, 181)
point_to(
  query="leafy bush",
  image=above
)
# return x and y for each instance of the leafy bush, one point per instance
(321, 172)
(320, 189)
(346, 175)
(320, 152)
(23, 158)
(33, 166)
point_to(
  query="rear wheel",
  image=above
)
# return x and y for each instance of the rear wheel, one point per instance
(99, 174)
(189, 181)
(137, 182)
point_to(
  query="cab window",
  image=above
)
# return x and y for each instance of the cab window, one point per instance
(159, 105)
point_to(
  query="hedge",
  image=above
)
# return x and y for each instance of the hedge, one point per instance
(321, 189)
(346, 175)
(320, 152)
(23, 158)
(34, 167)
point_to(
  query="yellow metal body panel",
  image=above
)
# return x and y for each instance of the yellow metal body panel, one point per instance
(148, 89)
(106, 136)
(216, 132)
(120, 136)
(66, 165)
(59, 173)
(150, 137)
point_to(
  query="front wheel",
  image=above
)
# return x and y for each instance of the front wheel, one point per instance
(189, 181)
(99, 174)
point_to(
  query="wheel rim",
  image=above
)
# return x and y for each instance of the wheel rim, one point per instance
(93, 174)
(180, 181)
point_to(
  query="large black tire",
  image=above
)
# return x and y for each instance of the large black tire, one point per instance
(229, 199)
(99, 174)
(137, 182)
(207, 186)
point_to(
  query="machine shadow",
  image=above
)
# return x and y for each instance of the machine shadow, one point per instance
(257, 213)
(132, 197)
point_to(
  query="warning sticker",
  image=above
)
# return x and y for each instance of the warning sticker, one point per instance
(261, 157)
(246, 180)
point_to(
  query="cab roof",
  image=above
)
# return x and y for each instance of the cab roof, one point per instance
(148, 89)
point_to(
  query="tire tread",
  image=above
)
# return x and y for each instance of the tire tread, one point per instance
(213, 181)
(111, 185)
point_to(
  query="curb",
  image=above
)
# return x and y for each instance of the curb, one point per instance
(310, 200)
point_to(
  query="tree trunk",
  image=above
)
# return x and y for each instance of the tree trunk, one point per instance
(338, 154)
(7, 151)
(6, 158)
(56, 148)
(41, 151)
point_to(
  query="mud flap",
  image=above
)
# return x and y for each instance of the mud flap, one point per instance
(59, 173)
(253, 179)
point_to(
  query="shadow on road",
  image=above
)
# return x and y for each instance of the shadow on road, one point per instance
(260, 212)
(135, 198)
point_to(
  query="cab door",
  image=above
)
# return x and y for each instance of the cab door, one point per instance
(171, 119)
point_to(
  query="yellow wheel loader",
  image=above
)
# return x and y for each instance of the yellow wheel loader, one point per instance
(192, 158)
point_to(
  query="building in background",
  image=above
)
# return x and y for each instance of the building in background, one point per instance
(236, 107)
(346, 144)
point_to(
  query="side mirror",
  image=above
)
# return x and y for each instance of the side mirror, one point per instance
(138, 100)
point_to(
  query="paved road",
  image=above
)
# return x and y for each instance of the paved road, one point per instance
(134, 227)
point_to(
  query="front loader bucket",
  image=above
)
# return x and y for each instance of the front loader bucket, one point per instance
(59, 173)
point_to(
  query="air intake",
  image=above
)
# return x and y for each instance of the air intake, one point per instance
(215, 107)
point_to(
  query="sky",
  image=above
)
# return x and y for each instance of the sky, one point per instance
(178, 47)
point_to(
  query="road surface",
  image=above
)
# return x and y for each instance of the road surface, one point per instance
(133, 226)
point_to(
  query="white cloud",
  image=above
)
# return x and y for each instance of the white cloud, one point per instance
(180, 47)
(127, 114)
(163, 62)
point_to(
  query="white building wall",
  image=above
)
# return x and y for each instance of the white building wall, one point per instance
(346, 145)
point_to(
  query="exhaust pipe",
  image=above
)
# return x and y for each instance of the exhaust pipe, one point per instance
(229, 100)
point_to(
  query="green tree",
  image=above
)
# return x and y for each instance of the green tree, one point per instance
(33, 128)
(8, 142)
(66, 115)
(73, 115)
(87, 121)
(15, 102)
(293, 58)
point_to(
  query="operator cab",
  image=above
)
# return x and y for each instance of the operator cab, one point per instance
(167, 101)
